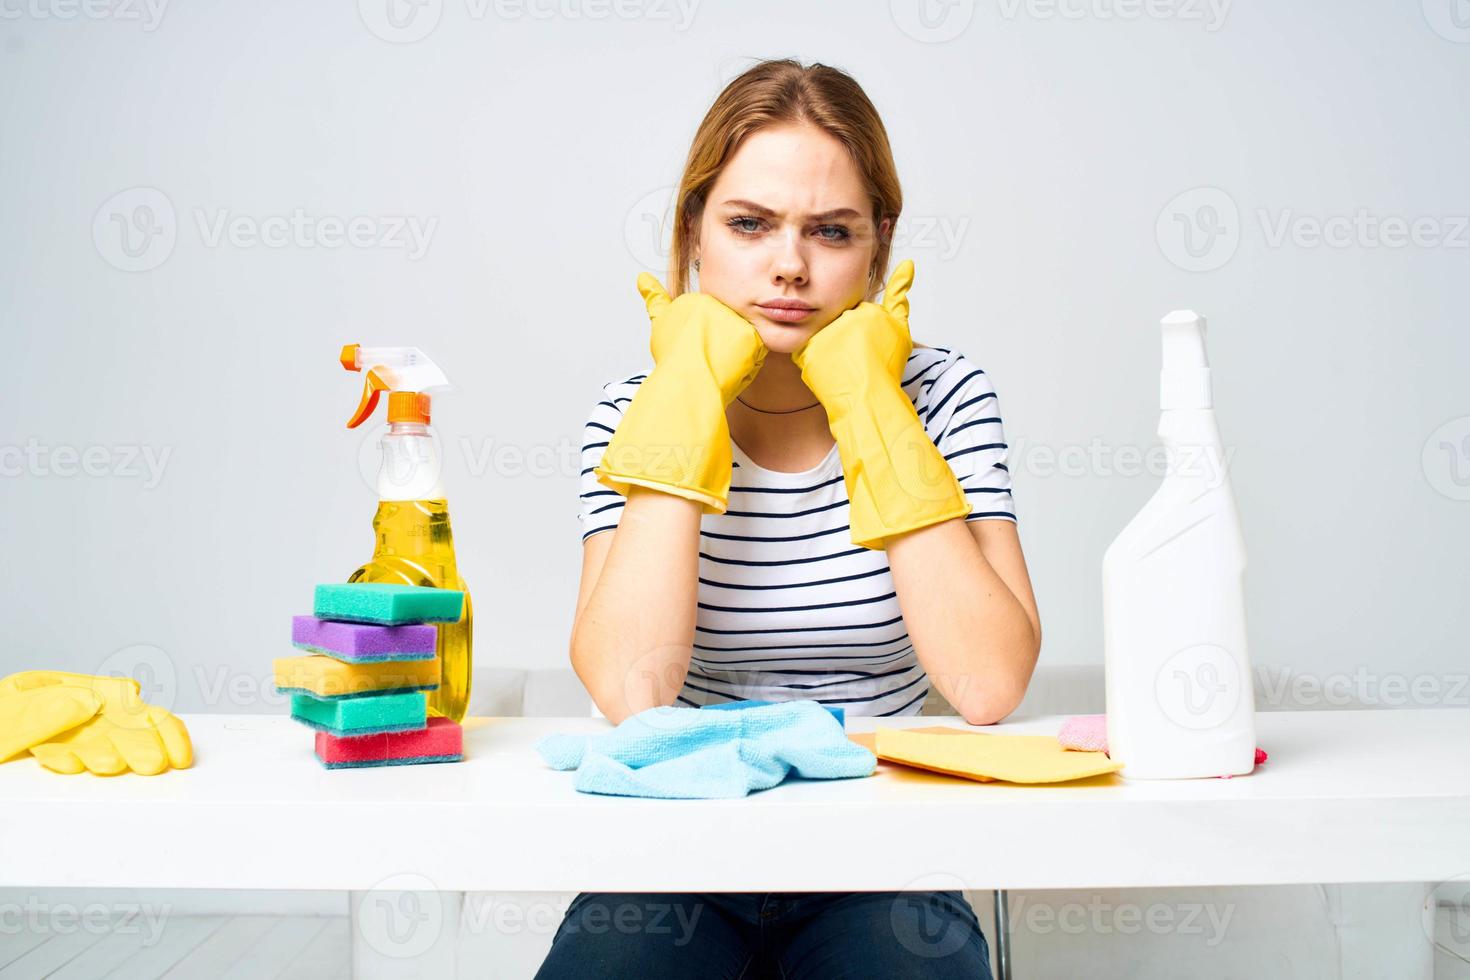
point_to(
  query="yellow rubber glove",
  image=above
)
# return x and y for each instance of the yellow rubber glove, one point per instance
(125, 734)
(102, 685)
(31, 713)
(674, 436)
(897, 480)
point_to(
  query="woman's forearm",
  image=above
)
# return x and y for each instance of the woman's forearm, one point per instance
(972, 634)
(631, 645)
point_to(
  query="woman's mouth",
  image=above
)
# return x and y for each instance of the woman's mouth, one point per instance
(786, 311)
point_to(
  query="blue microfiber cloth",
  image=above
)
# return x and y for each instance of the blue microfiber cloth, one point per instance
(690, 754)
(729, 705)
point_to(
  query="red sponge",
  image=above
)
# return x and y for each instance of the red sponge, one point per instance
(441, 741)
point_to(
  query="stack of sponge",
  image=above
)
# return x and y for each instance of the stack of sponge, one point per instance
(363, 685)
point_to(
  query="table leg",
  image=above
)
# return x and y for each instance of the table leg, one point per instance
(404, 935)
(1002, 942)
(1381, 931)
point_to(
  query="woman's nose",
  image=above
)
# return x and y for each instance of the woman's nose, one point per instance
(790, 259)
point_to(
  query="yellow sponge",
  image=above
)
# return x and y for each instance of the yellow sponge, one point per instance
(328, 678)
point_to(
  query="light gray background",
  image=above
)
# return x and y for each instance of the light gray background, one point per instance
(1043, 150)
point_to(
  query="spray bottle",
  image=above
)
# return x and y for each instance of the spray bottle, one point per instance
(1179, 697)
(415, 545)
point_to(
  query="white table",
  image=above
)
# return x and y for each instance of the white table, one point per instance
(1347, 797)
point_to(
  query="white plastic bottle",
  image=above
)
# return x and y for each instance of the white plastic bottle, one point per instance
(1180, 703)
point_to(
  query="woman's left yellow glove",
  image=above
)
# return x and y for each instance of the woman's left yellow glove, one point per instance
(121, 733)
(897, 480)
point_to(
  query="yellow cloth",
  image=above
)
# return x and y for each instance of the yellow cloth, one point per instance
(1010, 758)
(124, 734)
(674, 436)
(897, 480)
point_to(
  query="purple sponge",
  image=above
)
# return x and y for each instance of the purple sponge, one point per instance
(358, 643)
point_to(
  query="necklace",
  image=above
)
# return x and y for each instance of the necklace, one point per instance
(763, 411)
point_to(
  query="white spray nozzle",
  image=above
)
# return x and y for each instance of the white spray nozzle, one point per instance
(1184, 380)
(396, 370)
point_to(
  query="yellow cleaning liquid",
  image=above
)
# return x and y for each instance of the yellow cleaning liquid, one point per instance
(416, 547)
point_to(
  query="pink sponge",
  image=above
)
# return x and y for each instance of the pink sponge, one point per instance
(1086, 733)
(441, 741)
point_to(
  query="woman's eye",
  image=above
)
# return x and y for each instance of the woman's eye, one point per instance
(748, 227)
(737, 223)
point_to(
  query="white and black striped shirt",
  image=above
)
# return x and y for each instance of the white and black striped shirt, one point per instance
(788, 606)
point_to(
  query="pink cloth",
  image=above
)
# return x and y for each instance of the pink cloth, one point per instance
(1089, 733)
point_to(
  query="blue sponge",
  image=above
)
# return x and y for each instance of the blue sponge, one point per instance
(387, 604)
(356, 717)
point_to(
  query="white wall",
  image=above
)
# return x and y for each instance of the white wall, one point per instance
(1040, 146)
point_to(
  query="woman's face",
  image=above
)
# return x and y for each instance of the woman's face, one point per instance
(788, 219)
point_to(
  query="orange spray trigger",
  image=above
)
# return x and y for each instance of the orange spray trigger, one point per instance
(371, 389)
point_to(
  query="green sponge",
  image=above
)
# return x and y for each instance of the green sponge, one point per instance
(372, 715)
(387, 605)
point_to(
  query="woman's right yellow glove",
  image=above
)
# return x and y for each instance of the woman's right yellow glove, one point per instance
(674, 436)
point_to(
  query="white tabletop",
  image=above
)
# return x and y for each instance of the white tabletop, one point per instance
(1347, 796)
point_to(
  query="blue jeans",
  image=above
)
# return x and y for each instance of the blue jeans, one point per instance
(775, 935)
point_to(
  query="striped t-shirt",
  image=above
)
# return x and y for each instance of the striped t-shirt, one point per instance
(788, 606)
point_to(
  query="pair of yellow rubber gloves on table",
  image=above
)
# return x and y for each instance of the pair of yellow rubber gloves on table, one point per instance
(674, 436)
(77, 723)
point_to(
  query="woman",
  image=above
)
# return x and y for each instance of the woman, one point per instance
(796, 502)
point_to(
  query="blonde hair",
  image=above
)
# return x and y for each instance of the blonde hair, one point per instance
(779, 92)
